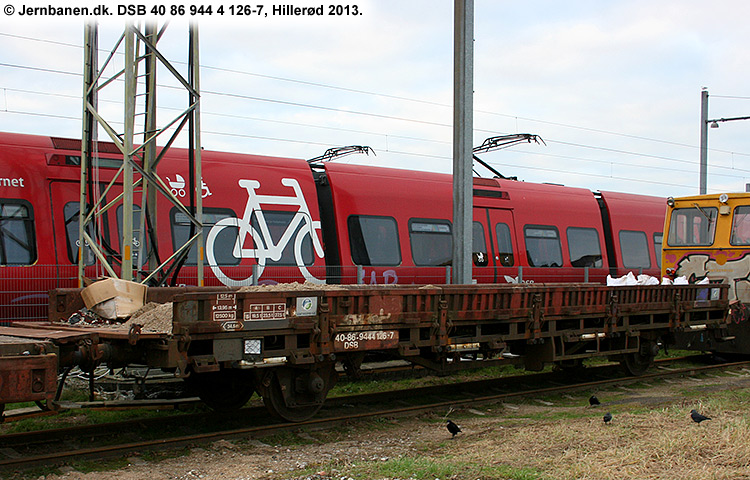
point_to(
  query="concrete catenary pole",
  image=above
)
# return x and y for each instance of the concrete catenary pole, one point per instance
(704, 142)
(463, 109)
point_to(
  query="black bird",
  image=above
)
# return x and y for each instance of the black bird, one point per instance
(697, 417)
(453, 428)
(607, 417)
(594, 401)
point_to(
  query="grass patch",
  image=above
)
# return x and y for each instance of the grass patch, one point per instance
(366, 385)
(91, 416)
(445, 467)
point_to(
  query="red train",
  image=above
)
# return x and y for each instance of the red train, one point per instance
(331, 222)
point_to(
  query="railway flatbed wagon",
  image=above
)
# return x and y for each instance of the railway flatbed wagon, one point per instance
(283, 342)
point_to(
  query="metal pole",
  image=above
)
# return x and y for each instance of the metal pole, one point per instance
(148, 245)
(195, 76)
(89, 137)
(704, 142)
(131, 78)
(463, 84)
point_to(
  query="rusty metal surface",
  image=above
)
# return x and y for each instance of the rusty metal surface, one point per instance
(374, 309)
(63, 302)
(546, 321)
(43, 331)
(28, 378)
(64, 333)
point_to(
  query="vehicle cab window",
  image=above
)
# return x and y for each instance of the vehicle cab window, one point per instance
(694, 226)
(741, 226)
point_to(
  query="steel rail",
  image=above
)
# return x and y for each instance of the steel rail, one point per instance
(112, 450)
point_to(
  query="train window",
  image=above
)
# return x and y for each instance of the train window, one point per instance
(694, 226)
(504, 245)
(17, 243)
(277, 224)
(374, 240)
(135, 244)
(634, 248)
(75, 160)
(658, 238)
(224, 246)
(478, 245)
(431, 242)
(70, 212)
(543, 246)
(741, 226)
(584, 247)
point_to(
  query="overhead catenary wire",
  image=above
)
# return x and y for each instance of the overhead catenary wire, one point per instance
(539, 153)
(385, 117)
(396, 97)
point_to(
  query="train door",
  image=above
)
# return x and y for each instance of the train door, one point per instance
(483, 268)
(502, 245)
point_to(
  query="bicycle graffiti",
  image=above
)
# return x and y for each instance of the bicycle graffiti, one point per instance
(253, 228)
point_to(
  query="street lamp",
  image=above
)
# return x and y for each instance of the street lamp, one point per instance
(705, 122)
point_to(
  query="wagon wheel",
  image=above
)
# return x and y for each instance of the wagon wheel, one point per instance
(223, 391)
(296, 395)
(637, 363)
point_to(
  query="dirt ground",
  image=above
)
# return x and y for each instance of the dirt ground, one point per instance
(650, 437)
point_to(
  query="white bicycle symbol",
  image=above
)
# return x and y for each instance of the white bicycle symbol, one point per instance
(264, 247)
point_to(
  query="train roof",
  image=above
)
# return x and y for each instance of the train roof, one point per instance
(713, 197)
(109, 148)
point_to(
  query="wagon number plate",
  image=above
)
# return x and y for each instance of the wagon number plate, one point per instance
(370, 340)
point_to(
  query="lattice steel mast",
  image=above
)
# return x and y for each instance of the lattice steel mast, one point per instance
(137, 174)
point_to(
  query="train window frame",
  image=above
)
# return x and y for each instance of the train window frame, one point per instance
(734, 238)
(28, 243)
(556, 246)
(191, 260)
(658, 246)
(358, 245)
(626, 256)
(575, 250)
(679, 220)
(504, 259)
(424, 235)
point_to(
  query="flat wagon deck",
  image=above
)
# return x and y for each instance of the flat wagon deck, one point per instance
(284, 341)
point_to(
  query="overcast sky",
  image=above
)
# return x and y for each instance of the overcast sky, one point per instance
(613, 87)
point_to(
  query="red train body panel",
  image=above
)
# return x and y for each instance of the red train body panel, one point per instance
(337, 223)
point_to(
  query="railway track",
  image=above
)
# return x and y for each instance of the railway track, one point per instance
(59, 446)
